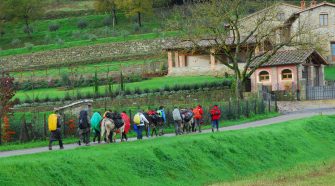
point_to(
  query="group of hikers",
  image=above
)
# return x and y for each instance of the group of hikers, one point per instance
(106, 126)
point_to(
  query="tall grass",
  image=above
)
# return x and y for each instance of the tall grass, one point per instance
(183, 160)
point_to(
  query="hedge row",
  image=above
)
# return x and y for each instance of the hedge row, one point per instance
(137, 91)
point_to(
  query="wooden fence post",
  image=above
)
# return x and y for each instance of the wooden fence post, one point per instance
(45, 126)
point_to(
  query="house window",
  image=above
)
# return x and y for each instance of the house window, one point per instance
(333, 51)
(323, 19)
(264, 76)
(286, 74)
(281, 16)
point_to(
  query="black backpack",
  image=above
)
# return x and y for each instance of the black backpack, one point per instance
(117, 120)
(188, 116)
(83, 122)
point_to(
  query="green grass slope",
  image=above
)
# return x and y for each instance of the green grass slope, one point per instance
(183, 160)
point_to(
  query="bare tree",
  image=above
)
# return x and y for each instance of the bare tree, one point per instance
(236, 40)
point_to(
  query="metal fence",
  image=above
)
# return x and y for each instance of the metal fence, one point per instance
(32, 125)
(320, 92)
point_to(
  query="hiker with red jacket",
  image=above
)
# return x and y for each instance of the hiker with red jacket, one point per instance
(215, 116)
(126, 121)
(198, 112)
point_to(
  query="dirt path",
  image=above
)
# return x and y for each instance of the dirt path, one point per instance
(286, 117)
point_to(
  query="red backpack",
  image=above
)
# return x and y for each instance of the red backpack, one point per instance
(197, 114)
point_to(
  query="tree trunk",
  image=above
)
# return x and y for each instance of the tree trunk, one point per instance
(0, 131)
(27, 26)
(239, 88)
(114, 17)
(139, 19)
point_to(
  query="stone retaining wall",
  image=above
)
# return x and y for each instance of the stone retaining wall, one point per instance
(83, 54)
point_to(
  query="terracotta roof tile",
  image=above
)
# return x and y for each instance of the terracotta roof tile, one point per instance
(285, 57)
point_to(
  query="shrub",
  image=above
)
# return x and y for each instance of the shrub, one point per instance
(28, 99)
(146, 90)
(156, 90)
(54, 27)
(127, 92)
(157, 31)
(66, 80)
(37, 99)
(2, 32)
(137, 91)
(28, 46)
(79, 95)
(203, 85)
(47, 39)
(115, 33)
(176, 87)
(186, 87)
(82, 24)
(125, 34)
(59, 41)
(108, 21)
(56, 99)
(67, 96)
(15, 42)
(46, 99)
(76, 34)
(167, 88)
(28, 29)
(92, 37)
(136, 28)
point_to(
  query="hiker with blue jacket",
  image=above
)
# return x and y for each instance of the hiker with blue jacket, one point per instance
(161, 114)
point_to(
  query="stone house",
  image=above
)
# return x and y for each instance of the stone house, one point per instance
(183, 59)
(290, 70)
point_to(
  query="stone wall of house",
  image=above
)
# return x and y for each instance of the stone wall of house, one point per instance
(83, 54)
(320, 36)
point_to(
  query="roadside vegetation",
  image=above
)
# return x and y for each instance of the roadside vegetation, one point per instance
(70, 140)
(183, 160)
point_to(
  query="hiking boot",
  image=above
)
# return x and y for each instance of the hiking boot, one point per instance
(50, 148)
(79, 142)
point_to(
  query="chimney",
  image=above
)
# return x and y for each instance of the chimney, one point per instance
(302, 4)
(313, 3)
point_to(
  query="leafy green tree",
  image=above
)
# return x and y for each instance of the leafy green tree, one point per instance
(136, 7)
(107, 6)
(23, 10)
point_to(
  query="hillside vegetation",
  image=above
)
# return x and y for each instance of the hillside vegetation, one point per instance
(183, 160)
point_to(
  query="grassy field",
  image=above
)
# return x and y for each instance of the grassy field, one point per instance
(87, 69)
(316, 173)
(85, 42)
(69, 31)
(183, 160)
(42, 143)
(330, 73)
(154, 83)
